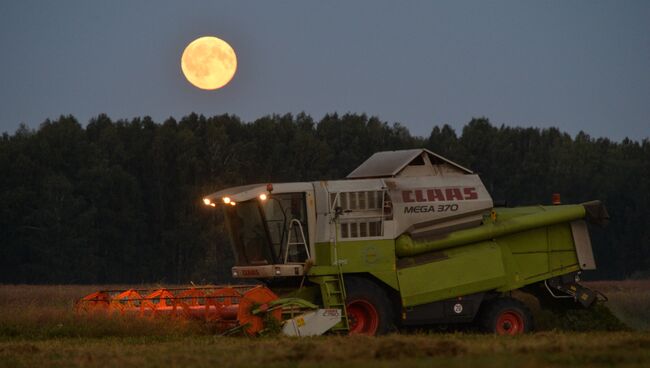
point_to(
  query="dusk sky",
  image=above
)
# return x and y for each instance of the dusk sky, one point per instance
(577, 65)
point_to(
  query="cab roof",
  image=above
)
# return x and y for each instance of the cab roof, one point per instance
(391, 163)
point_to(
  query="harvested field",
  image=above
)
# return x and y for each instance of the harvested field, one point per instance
(39, 328)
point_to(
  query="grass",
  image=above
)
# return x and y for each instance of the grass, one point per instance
(39, 328)
(450, 350)
(629, 300)
(43, 312)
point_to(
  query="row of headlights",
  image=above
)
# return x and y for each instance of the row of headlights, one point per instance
(227, 200)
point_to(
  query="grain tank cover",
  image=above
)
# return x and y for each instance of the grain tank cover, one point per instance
(405, 163)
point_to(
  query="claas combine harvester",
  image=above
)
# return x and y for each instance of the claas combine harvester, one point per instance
(409, 238)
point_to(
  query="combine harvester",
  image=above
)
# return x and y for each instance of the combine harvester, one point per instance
(409, 238)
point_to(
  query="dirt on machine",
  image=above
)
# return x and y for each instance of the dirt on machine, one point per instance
(409, 238)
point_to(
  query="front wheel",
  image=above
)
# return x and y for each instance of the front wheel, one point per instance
(368, 308)
(505, 316)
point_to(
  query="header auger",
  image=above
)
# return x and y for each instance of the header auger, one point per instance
(409, 238)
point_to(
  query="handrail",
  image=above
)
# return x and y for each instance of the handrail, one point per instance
(290, 243)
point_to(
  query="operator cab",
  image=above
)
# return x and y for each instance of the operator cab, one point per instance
(268, 228)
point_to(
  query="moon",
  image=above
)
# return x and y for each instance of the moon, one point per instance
(209, 63)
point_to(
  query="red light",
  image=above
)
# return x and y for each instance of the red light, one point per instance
(269, 187)
(556, 199)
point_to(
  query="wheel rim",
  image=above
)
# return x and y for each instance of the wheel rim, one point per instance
(510, 323)
(362, 317)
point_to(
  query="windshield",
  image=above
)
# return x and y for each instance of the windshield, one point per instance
(248, 234)
(260, 230)
(286, 218)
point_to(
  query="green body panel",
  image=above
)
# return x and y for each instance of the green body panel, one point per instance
(506, 263)
(511, 249)
(406, 246)
(465, 270)
(376, 257)
(324, 254)
(537, 255)
(328, 299)
(310, 293)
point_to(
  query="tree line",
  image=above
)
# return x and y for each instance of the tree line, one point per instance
(120, 201)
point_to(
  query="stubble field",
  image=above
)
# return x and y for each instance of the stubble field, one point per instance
(39, 328)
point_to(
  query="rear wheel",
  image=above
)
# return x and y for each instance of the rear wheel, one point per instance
(368, 308)
(505, 316)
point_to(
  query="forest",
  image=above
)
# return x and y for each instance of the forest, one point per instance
(120, 201)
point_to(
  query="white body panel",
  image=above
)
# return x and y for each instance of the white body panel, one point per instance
(424, 201)
(313, 323)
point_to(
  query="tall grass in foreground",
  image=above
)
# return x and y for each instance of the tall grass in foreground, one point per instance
(546, 349)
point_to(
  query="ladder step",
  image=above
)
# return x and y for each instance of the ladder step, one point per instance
(333, 292)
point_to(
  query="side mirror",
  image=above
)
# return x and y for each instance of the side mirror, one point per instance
(337, 212)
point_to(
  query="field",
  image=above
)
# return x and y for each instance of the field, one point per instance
(39, 328)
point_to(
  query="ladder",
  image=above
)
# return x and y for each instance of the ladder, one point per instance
(332, 287)
(333, 292)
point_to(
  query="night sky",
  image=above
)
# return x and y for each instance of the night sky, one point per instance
(577, 65)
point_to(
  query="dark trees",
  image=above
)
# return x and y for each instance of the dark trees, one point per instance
(120, 201)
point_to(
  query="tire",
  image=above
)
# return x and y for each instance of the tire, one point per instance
(369, 310)
(505, 316)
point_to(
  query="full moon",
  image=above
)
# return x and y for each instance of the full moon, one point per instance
(209, 63)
